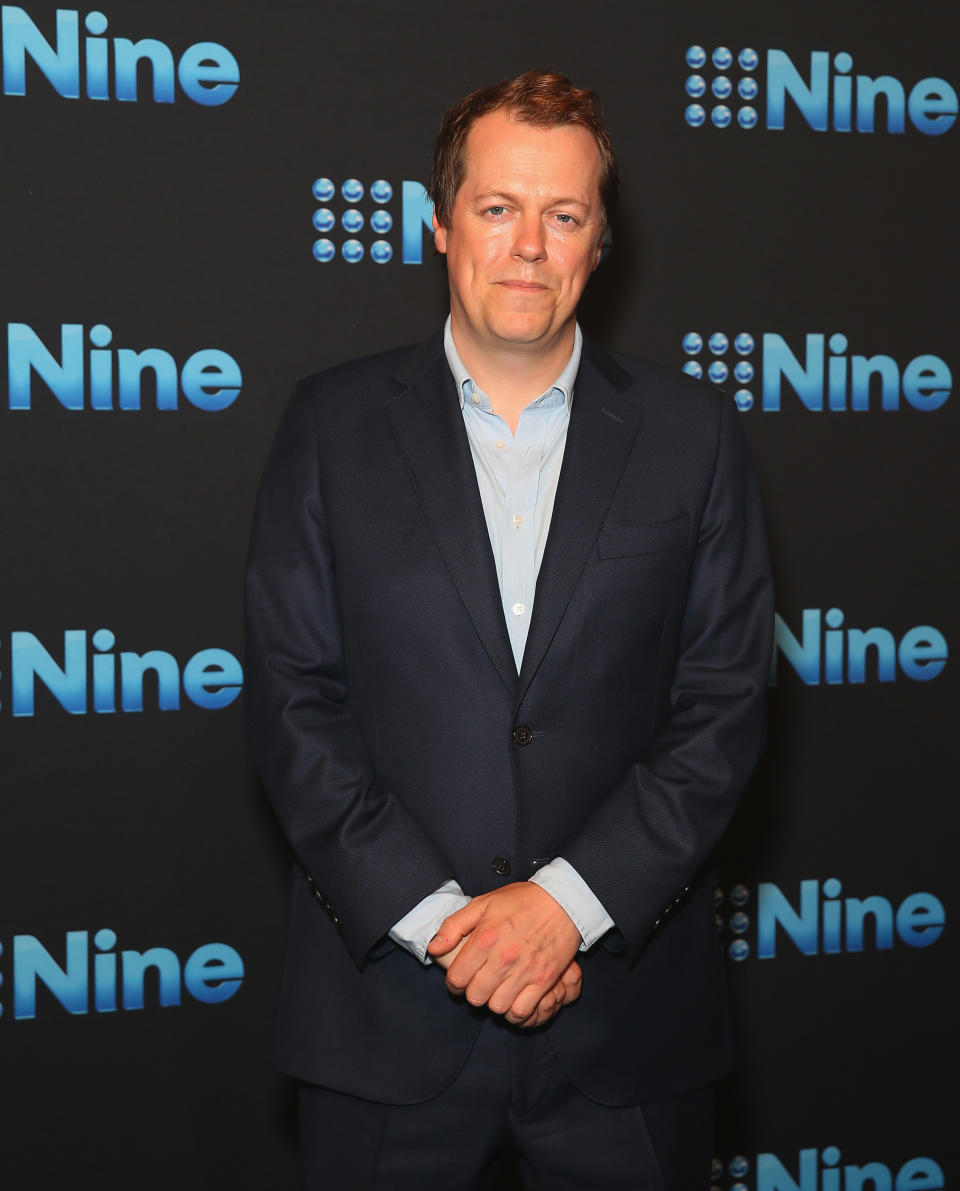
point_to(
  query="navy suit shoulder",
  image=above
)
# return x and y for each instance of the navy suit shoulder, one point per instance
(655, 383)
(369, 380)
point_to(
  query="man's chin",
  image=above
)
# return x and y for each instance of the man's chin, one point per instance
(524, 332)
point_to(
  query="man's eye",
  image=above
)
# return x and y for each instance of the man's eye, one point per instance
(562, 217)
(496, 210)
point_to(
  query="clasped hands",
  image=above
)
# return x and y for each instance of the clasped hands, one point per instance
(511, 950)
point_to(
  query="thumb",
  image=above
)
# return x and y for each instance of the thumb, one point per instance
(454, 928)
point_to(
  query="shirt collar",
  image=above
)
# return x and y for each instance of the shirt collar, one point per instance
(564, 381)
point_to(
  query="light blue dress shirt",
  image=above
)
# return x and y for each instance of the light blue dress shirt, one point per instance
(517, 476)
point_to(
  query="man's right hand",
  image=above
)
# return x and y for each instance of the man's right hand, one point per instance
(564, 992)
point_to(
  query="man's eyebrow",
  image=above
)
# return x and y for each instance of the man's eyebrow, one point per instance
(562, 201)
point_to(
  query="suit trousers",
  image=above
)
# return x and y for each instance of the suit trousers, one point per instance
(512, 1118)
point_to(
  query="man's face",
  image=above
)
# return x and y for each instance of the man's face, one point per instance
(524, 233)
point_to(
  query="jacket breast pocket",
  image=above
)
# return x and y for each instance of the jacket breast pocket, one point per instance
(655, 537)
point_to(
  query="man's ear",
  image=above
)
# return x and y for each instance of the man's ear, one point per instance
(439, 234)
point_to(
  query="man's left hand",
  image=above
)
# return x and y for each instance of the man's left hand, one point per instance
(521, 941)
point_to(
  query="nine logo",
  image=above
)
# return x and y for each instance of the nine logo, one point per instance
(364, 220)
(102, 377)
(210, 974)
(207, 72)
(837, 655)
(820, 1170)
(821, 375)
(823, 93)
(88, 680)
(823, 922)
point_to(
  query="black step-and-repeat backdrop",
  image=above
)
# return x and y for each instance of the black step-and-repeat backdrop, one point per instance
(203, 202)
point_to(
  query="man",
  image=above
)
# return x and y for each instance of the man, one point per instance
(509, 627)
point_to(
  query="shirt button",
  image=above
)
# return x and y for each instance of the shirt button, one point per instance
(522, 735)
(517, 520)
(475, 398)
(500, 444)
(500, 866)
(519, 609)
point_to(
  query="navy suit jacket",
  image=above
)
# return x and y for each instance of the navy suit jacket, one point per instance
(383, 705)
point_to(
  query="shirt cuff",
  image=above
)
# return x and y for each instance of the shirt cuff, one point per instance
(415, 930)
(565, 885)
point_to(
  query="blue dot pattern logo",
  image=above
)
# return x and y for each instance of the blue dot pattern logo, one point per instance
(719, 369)
(732, 914)
(721, 58)
(364, 206)
(737, 1170)
(738, 1167)
(722, 88)
(695, 114)
(381, 222)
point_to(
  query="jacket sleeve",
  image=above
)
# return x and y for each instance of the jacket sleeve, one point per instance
(648, 837)
(357, 841)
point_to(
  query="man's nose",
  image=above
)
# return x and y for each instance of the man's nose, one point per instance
(530, 242)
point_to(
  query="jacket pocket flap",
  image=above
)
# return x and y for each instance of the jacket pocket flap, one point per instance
(619, 541)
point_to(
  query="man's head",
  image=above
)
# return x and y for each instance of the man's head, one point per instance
(540, 98)
(523, 182)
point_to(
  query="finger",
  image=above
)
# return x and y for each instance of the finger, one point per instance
(547, 1007)
(455, 927)
(526, 1001)
(473, 973)
(572, 981)
(447, 959)
(493, 984)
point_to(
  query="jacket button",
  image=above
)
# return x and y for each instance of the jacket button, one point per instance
(522, 734)
(500, 866)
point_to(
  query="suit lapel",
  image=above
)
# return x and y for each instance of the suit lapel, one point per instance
(603, 427)
(427, 424)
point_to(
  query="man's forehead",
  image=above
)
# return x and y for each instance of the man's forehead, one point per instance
(498, 144)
